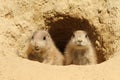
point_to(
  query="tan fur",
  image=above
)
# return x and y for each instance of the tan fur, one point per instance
(42, 49)
(79, 50)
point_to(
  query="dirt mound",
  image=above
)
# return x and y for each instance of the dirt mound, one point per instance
(20, 18)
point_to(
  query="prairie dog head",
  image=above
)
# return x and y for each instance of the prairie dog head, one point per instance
(40, 41)
(80, 38)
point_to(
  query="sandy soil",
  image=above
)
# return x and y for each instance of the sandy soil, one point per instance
(20, 18)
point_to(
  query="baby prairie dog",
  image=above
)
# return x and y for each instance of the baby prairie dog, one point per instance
(43, 49)
(79, 50)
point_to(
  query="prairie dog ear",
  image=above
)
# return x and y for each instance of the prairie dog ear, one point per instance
(45, 28)
(73, 35)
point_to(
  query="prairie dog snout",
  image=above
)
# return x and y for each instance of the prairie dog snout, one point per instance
(40, 41)
(80, 38)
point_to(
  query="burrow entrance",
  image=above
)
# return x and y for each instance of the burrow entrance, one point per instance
(61, 28)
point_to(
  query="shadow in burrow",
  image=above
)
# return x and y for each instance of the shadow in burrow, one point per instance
(62, 28)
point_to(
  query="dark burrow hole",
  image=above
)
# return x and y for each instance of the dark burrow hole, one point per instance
(61, 28)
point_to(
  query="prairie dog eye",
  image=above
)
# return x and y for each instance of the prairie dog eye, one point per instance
(44, 38)
(86, 36)
(32, 37)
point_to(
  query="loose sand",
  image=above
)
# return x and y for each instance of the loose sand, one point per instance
(20, 18)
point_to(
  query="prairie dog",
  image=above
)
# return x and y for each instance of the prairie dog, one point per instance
(80, 50)
(43, 49)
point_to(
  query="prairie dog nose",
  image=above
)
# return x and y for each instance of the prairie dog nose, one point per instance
(36, 47)
(79, 41)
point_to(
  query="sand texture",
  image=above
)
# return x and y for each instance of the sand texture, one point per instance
(20, 18)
